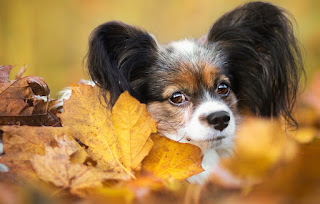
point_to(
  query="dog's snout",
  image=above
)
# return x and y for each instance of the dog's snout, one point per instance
(219, 120)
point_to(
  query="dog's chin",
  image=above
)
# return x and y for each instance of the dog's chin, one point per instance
(219, 142)
(213, 142)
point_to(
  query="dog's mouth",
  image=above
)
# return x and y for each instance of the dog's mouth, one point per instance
(215, 139)
(219, 138)
(213, 142)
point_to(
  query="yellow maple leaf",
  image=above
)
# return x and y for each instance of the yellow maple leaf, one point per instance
(55, 167)
(117, 140)
(133, 125)
(169, 159)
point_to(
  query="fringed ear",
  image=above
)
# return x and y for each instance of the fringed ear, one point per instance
(119, 56)
(264, 59)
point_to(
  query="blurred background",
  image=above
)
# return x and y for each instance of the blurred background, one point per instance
(52, 36)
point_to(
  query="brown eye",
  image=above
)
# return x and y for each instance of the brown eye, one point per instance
(177, 98)
(223, 89)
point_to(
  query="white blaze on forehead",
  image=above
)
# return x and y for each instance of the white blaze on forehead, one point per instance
(184, 46)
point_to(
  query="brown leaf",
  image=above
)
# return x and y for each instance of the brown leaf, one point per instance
(55, 167)
(25, 101)
(22, 142)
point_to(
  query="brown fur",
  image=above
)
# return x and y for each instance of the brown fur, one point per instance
(168, 116)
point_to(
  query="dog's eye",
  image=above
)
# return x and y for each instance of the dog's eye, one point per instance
(177, 98)
(223, 89)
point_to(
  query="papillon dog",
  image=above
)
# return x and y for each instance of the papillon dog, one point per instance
(197, 89)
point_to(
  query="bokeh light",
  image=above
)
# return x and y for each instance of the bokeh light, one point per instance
(52, 36)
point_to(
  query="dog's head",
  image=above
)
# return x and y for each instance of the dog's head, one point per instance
(196, 89)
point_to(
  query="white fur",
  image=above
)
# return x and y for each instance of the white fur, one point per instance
(184, 46)
(209, 162)
(66, 93)
(3, 168)
(202, 135)
(188, 50)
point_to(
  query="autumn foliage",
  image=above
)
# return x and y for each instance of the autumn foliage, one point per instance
(91, 153)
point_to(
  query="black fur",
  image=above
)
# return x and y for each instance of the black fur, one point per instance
(263, 57)
(118, 55)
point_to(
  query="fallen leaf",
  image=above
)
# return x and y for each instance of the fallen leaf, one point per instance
(25, 101)
(133, 125)
(118, 141)
(23, 142)
(169, 159)
(55, 167)
(19, 96)
(259, 145)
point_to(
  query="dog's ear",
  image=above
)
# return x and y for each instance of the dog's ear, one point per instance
(119, 56)
(263, 57)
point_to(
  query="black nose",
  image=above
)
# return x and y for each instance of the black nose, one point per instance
(219, 120)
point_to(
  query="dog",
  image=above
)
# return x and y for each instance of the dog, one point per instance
(197, 89)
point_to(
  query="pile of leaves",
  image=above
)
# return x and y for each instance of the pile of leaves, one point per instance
(88, 152)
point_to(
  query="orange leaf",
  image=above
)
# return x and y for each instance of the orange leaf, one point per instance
(169, 159)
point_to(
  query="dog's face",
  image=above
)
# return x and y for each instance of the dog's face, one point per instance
(248, 60)
(193, 101)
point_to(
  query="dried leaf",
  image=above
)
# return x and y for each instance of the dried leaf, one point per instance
(55, 167)
(24, 101)
(92, 122)
(23, 142)
(169, 159)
